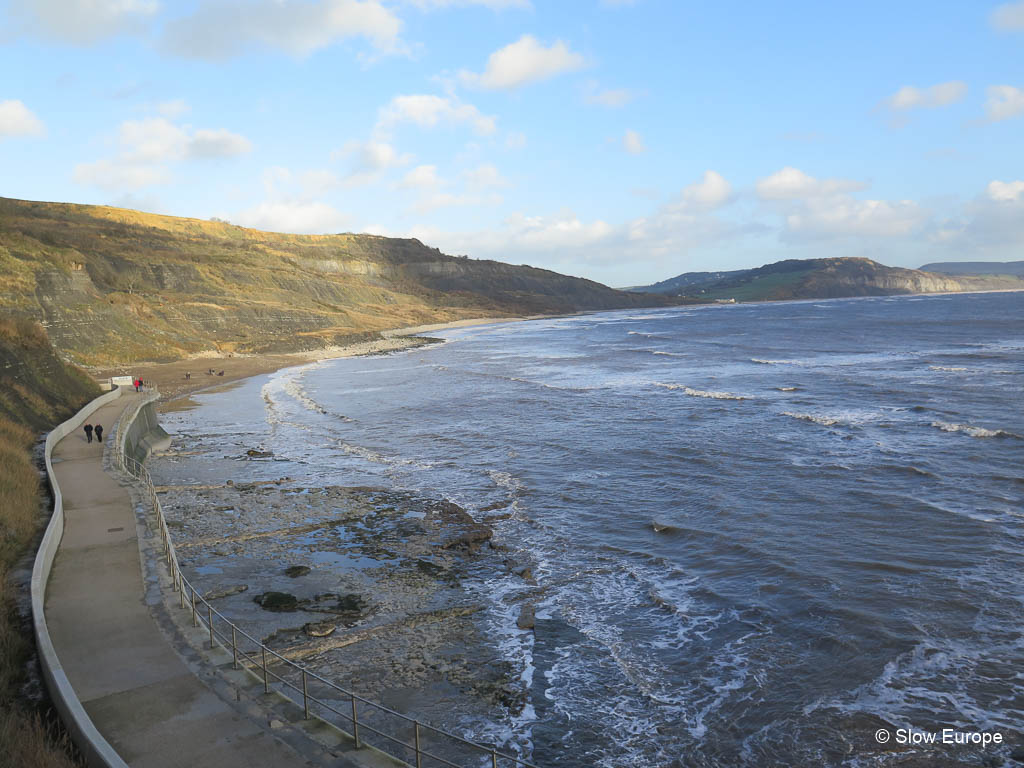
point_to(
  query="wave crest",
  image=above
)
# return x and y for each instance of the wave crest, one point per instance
(973, 431)
(700, 392)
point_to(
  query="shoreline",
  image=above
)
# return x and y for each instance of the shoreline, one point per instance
(170, 377)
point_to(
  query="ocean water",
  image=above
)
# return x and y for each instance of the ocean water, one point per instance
(759, 532)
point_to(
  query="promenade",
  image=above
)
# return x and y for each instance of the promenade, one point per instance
(143, 698)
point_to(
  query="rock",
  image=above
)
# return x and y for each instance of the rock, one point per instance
(279, 602)
(319, 628)
(216, 594)
(525, 572)
(1018, 754)
(253, 453)
(459, 529)
(351, 604)
(297, 570)
(275, 724)
(527, 618)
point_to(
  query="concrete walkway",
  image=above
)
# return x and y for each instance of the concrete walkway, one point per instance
(138, 691)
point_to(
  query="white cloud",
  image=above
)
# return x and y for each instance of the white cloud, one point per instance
(1003, 102)
(1008, 16)
(18, 120)
(223, 28)
(82, 22)
(422, 177)
(847, 216)
(818, 209)
(941, 95)
(633, 143)
(515, 140)
(294, 216)
(1006, 191)
(116, 174)
(484, 176)
(792, 183)
(495, 5)
(369, 158)
(173, 108)
(428, 110)
(148, 147)
(220, 143)
(607, 97)
(991, 227)
(712, 191)
(522, 62)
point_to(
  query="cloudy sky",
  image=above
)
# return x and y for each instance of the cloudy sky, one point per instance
(622, 140)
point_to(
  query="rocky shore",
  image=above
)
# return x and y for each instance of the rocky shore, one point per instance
(367, 586)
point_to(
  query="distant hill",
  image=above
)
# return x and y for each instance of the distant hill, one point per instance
(115, 286)
(821, 279)
(682, 284)
(976, 267)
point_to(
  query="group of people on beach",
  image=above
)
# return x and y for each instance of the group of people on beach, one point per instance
(91, 430)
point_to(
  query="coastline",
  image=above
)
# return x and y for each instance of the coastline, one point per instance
(171, 381)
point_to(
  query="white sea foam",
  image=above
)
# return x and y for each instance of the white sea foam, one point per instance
(973, 431)
(825, 421)
(951, 369)
(773, 362)
(700, 392)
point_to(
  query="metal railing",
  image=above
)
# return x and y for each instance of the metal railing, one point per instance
(319, 697)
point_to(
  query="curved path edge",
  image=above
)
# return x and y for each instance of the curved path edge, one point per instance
(96, 749)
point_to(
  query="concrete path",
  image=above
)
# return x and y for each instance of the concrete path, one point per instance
(140, 694)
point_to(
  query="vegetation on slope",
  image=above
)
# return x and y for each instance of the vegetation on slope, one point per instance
(36, 391)
(823, 279)
(118, 286)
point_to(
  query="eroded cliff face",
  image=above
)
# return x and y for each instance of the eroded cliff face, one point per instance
(115, 286)
(862, 277)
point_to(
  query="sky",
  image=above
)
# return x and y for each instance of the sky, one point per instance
(625, 141)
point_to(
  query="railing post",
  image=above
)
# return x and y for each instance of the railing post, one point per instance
(416, 741)
(305, 696)
(195, 621)
(234, 648)
(266, 680)
(209, 620)
(355, 721)
(494, 759)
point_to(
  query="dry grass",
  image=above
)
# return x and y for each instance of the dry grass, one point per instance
(26, 740)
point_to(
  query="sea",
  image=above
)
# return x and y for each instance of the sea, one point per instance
(761, 534)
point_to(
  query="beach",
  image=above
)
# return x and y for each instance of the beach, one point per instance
(170, 378)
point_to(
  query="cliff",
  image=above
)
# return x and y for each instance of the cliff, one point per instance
(823, 279)
(115, 286)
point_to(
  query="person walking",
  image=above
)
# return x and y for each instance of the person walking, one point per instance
(88, 433)
(98, 429)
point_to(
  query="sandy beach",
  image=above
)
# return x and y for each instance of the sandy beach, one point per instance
(170, 378)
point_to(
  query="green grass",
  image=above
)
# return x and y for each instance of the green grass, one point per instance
(761, 288)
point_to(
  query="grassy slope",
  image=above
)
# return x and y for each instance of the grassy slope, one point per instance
(36, 392)
(119, 286)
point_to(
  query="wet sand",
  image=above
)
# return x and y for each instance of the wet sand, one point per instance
(170, 377)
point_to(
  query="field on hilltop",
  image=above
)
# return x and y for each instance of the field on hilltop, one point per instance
(115, 286)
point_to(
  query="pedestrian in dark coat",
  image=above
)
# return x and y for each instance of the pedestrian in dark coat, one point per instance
(98, 429)
(88, 433)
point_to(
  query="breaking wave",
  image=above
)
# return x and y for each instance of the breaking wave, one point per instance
(701, 392)
(973, 431)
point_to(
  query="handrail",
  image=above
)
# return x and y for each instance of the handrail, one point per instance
(228, 638)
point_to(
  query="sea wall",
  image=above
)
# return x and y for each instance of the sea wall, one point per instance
(145, 435)
(95, 750)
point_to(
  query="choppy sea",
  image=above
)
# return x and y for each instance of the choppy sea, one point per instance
(759, 532)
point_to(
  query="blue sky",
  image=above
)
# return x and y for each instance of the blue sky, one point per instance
(622, 140)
